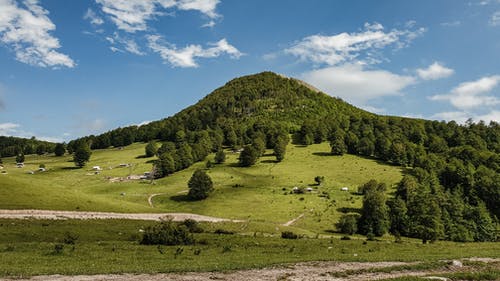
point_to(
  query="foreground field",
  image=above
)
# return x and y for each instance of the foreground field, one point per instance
(30, 248)
(261, 193)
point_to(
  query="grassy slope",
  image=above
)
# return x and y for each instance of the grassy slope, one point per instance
(260, 197)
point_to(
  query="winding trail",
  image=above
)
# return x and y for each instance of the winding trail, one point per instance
(63, 215)
(290, 222)
(150, 198)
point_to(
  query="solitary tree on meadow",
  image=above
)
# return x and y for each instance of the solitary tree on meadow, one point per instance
(200, 185)
(81, 155)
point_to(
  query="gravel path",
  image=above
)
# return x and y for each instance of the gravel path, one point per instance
(318, 271)
(150, 198)
(61, 215)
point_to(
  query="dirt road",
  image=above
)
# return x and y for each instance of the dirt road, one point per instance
(300, 271)
(61, 215)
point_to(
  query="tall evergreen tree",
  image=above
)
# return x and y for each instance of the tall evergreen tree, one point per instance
(200, 185)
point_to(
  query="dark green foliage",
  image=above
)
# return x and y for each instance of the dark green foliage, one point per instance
(398, 216)
(248, 156)
(370, 186)
(319, 179)
(12, 146)
(280, 147)
(338, 147)
(289, 235)
(220, 157)
(81, 155)
(192, 225)
(164, 166)
(200, 185)
(348, 224)
(223, 231)
(60, 149)
(151, 149)
(20, 158)
(41, 149)
(374, 213)
(167, 233)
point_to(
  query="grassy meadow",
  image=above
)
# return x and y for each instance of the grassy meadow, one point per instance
(112, 246)
(261, 193)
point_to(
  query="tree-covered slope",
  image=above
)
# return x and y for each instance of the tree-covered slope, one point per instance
(451, 190)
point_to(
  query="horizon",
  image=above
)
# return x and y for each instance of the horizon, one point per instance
(87, 67)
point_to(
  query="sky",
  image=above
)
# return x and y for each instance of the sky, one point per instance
(80, 67)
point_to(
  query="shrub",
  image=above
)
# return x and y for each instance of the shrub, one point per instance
(193, 226)
(289, 235)
(348, 224)
(58, 249)
(167, 233)
(69, 238)
(223, 231)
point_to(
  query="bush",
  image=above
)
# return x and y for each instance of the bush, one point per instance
(167, 233)
(223, 231)
(289, 235)
(69, 238)
(192, 225)
(348, 224)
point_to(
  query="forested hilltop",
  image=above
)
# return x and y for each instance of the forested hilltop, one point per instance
(11, 146)
(452, 186)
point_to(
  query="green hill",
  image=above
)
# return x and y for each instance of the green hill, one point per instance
(450, 187)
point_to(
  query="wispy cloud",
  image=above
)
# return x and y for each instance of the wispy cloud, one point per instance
(128, 44)
(345, 47)
(133, 15)
(92, 17)
(186, 57)
(13, 129)
(451, 23)
(434, 71)
(355, 84)
(26, 27)
(473, 94)
(495, 19)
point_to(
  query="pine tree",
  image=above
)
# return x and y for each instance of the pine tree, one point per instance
(200, 185)
(220, 157)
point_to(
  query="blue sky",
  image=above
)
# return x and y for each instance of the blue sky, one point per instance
(74, 68)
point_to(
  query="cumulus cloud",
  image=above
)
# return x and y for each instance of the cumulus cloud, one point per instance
(355, 84)
(434, 71)
(13, 129)
(472, 94)
(27, 28)
(92, 17)
(344, 47)
(186, 57)
(133, 15)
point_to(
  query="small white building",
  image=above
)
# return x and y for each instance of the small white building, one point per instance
(124, 165)
(41, 169)
(345, 188)
(309, 189)
(20, 165)
(96, 168)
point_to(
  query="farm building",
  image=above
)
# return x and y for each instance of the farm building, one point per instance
(20, 165)
(96, 168)
(345, 188)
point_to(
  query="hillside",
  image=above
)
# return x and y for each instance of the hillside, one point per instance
(450, 189)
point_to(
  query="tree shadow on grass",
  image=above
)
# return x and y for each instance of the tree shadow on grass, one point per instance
(141, 156)
(151, 161)
(269, 161)
(181, 198)
(71, 168)
(346, 210)
(322, 154)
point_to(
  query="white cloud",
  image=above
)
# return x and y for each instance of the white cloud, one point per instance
(451, 23)
(133, 15)
(6, 129)
(462, 116)
(186, 57)
(435, 71)
(495, 19)
(13, 129)
(472, 94)
(355, 84)
(92, 17)
(209, 24)
(27, 29)
(345, 47)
